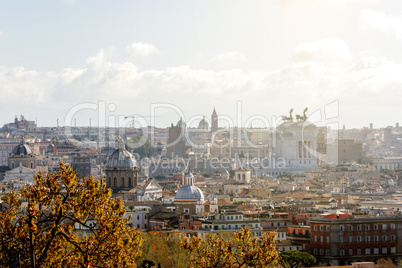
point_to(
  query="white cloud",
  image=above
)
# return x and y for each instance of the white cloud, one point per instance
(330, 49)
(380, 21)
(141, 49)
(1, 33)
(230, 56)
(359, 84)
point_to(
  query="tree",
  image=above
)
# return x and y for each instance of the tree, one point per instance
(296, 259)
(39, 225)
(245, 251)
(386, 263)
(164, 249)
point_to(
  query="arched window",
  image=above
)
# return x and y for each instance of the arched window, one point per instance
(12, 165)
(122, 182)
(31, 164)
(114, 182)
(238, 176)
(130, 183)
(244, 177)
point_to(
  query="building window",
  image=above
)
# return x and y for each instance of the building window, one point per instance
(321, 228)
(327, 252)
(359, 251)
(315, 238)
(359, 227)
(327, 239)
(315, 251)
(375, 251)
(384, 251)
(393, 249)
(376, 238)
(342, 228)
(322, 239)
(315, 227)
(367, 251)
(359, 239)
(375, 226)
(351, 252)
(350, 228)
(321, 251)
(341, 239)
(341, 252)
(350, 239)
(297, 232)
(367, 227)
(384, 227)
(384, 238)
(367, 239)
(328, 228)
(392, 226)
(393, 237)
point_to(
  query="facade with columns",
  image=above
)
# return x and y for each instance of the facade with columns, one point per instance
(293, 149)
(391, 163)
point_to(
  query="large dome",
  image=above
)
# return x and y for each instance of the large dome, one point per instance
(190, 192)
(120, 157)
(203, 124)
(21, 149)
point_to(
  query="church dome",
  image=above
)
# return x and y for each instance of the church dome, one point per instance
(203, 124)
(190, 192)
(21, 149)
(181, 123)
(120, 157)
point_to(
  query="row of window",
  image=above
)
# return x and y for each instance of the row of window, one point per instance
(237, 217)
(278, 224)
(358, 251)
(327, 228)
(229, 226)
(367, 238)
(384, 226)
(358, 239)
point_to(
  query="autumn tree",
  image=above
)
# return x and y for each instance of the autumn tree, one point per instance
(164, 249)
(39, 225)
(245, 250)
(296, 259)
(386, 263)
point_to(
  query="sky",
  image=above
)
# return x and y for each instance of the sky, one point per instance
(251, 60)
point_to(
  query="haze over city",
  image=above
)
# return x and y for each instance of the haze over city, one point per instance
(270, 55)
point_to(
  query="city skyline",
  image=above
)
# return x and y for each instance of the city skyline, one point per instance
(272, 56)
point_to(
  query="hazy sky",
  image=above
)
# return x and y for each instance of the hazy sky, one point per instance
(270, 55)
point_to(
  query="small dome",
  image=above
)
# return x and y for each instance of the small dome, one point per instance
(190, 192)
(21, 149)
(181, 123)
